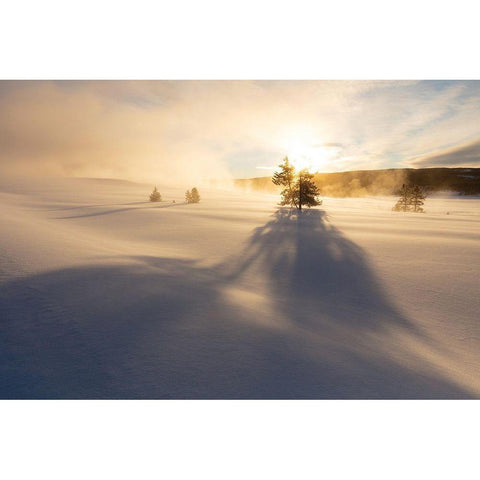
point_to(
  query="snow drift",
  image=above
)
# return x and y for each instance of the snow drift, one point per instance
(106, 295)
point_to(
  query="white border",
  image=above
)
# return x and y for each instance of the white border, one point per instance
(241, 40)
(240, 439)
(252, 39)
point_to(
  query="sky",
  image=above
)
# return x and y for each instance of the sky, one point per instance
(174, 131)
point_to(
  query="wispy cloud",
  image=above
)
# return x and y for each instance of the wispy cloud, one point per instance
(466, 155)
(168, 130)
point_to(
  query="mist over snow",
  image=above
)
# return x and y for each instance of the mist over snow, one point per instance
(101, 129)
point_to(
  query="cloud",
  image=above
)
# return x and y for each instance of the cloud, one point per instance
(108, 129)
(466, 155)
(328, 145)
(177, 131)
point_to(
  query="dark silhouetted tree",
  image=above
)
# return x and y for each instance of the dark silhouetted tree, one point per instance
(306, 191)
(404, 202)
(411, 199)
(299, 189)
(155, 196)
(195, 195)
(418, 195)
(286, 178)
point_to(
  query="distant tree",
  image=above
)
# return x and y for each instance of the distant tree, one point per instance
(306, 191)
(192, 196)
(195, 196)
(418, 195)
(299, 189)
(411, 199)
(404, 202)
(155, 196)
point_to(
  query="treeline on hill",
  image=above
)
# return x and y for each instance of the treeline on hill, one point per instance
(465, 181)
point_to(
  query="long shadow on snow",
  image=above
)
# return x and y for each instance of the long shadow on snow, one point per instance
(120, 210)
(164, 328)
(94, 205)
(318, 276)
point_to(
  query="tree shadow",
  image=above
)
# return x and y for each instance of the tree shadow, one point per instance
(95, 205)
(120, 210)
(170, 328)
(318, 274)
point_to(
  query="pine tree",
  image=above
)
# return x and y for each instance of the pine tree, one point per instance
(404, 202)
(195, 196)
(188, 196)
(418, 195)
(306, 191)
(286, 178)
(155, 196)
(299, 190)
(411, 199)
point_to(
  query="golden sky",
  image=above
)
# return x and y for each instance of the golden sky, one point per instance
(168, 130)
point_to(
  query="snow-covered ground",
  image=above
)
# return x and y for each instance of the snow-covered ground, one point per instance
(106, 295)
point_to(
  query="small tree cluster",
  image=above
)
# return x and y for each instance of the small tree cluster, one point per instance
(192, 196)
(299, 189)
(411, 199)
(155, 196)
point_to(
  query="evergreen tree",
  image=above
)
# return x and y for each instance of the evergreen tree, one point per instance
(195, 196)
(155, 196)
(188, 196)
(404, 202)
(418, 195)
(306, 191)
(299, 189)
(411, 199)
(286, 178)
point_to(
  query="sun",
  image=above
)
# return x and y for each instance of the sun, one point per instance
(314, 157)
(306, 150)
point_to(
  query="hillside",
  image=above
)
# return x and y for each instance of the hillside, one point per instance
(464, 181)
